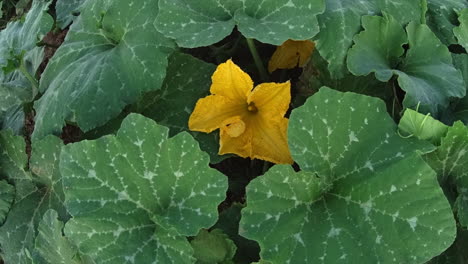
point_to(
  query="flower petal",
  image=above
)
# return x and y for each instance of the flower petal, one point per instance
(262, 139)
(290, 54)
(213, 111)
(230, 81)
(271, 99)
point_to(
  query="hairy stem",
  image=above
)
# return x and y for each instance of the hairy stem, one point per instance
(257, 60)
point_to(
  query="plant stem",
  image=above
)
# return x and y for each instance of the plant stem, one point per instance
(257, 60)
(31, 79)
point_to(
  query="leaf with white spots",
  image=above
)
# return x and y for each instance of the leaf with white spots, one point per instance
(52, 246)
(66, 11)
(44, 185)
(188, 79)
(342, 20)
(202, 23)
(363, 195)
(461, 32)
(111, 56)
(442, 18)
(19, 54)
(425, 73)
(450, 161)
(139, 194)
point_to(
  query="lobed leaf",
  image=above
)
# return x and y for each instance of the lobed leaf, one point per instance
(66, 11)
(197, 24)
(139, 194)
(421, 126)
(442, 18)
(461, 32)
(7, 195)
(426, 73)
(337, 209)
(111, 56)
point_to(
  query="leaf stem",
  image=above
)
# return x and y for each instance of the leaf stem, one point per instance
(31, 79)
(257, 60)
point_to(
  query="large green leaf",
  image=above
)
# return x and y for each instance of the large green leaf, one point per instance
(450, 161)
(188, 79)
(461, 32)
(7, 194)
(442, 18)
(19, 56)
(342, 20)
(45, 192)
(65, 10)
(138, 194)
(426, 72)
(382, 205)
(202, 23)
(51, 245)
(112, 54)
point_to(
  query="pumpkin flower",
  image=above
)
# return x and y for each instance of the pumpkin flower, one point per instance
(290, 54)
(251, 121)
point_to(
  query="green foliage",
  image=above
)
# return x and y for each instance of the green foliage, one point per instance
(37, 190)
(66, 11)
(425, 69)
(337, 208)
(422, 126)
(196, 24)
(139, 194)
(213, 247)
(112, 55)
(20, 57)
(128, 182)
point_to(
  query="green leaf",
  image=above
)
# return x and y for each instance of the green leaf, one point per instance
(455, 254)
(383, 205)
(111, 56)
(45, 192)
(1, 11)
(442, 18)
(461, 32)
(51, 245)
(7, 194)
(247, 250)
(342, 20)
(138, 194)
(65, 10)
(213, 247)
(426, 72)
(461, 109)
(423, 127)
(19, 56)
(450, 161)
(188, 79)
(196, 24)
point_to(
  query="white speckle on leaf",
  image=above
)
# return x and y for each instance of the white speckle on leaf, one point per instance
(334, 232)
(413, 222)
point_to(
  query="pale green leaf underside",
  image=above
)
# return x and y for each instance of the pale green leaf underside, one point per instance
(188, 79)
(50, 244)
(353, 221)
(213, 247)
(65, 10)
(421, 126)
(138, 194)
(426, 73)
(19, 231)
(202, 23)
(450, 161)
(461, 32)
(112, 55)
(442, 18)
(342, 20)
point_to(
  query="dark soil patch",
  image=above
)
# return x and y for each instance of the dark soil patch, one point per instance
(28, 130)
(51, 42)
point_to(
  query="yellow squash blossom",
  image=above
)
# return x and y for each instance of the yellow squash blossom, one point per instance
(251, 121)
(290, 54)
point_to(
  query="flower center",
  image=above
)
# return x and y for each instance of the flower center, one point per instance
(252, 108)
